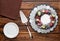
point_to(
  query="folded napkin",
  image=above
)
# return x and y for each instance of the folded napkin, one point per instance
(10, 8)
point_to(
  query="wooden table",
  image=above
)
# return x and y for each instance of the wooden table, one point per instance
(26, 7)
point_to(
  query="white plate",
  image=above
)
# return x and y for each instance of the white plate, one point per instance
(32, 18)
(11, 30)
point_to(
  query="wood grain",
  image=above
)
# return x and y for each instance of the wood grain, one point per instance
(30, 5)
(36, 37)
(40, 0)
(26, 7)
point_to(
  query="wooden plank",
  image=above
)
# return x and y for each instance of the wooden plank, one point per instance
(30, 5)
(36, 37)
(40, 0)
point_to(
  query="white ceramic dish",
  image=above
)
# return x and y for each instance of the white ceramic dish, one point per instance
(32, 18)
(11, 30)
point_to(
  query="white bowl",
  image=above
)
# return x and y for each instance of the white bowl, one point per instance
(11, 30)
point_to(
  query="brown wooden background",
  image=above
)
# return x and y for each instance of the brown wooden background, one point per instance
(26, 7)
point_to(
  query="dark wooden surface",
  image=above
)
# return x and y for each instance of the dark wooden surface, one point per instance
(26, 7)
